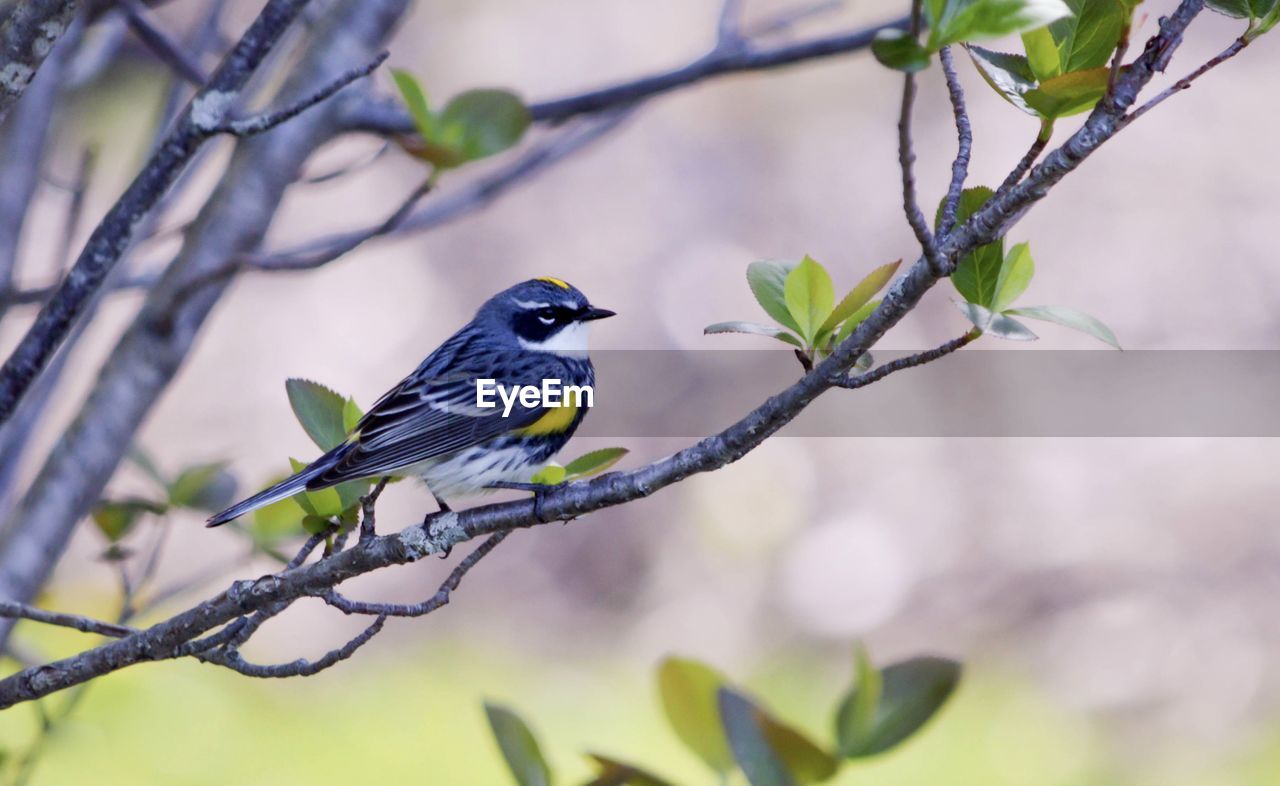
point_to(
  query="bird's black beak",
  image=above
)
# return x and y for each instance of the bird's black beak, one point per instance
(596, 313)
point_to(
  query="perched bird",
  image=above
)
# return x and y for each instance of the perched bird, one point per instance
(430, 425)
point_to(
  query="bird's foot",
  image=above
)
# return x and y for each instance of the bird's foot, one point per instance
(539, 491)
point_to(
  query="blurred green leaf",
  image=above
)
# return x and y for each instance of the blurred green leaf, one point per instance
(616, 773)
(997, 325)
(319, 410)
(1015, 275)
(207, 487)
(594, 462)
(952, 21)
(688, 692)
(322, 503)
(415, 100)
(755, 329)
(144, 462)
(484, 122)
(911, 692)
(861, 294)
(900, 51)
(276, 522)
(1069, 317)
(767, 280)
(115, 518)
(518, 746)
(856, 715)
(810, 297)
(316, 525)
(805, 761)
(744, 726)
(551, 475)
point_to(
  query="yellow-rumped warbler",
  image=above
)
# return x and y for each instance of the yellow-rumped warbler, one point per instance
(431, 424)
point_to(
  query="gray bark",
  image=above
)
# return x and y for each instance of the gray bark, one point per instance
(27, 37)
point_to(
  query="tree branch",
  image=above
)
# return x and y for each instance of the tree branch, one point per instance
(14, 610)
(27, 36)
(113, 235)
(911, 361)
(1236, 47)
(441, 531)
(907, 158)
(161, 45)
(964, 142)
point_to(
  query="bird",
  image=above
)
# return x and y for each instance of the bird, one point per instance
(431, 424)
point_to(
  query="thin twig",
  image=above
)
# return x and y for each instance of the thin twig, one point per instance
(302, 667)
(170, 52)
(367, 504)
(257, 124)
(906, 160)
(1024, 164)
(440, 598)
(911, 361)
(964, 142)
(14, 610)
(1237, 46)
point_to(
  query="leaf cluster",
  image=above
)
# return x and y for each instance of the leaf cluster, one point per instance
(472, 125)
(800, 297)
(732, 732)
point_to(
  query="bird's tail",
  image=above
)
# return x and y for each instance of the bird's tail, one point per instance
(282, 490)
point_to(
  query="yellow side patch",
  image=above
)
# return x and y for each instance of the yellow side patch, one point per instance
(551, 280)
(556, 421)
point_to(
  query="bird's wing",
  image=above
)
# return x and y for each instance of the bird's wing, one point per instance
(433, 412)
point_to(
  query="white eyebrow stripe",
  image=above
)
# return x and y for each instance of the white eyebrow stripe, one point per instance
(529, 304)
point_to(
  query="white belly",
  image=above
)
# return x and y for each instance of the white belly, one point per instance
(469, 471)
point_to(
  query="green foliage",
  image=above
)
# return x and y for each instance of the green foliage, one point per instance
(206, 487)
(885, 708)
(730, 731)
(115, 519)
(591, 463)
(202, 487)
(320, 411)
(800, 297)
(957, 21)
(1065, 69)
(472, 125)
(518, 747)
(990, 280)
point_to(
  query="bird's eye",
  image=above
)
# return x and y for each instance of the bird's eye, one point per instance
(547, 316)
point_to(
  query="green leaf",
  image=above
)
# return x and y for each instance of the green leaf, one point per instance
(856, 715)
(1068, 94)
(1015, 275)
(115, 519)
(753, 328)
(767, 280)
(595, 462)
(744, 725)
(805, 762)
(951, 21)
(207, 487)
(911, 693)
(1069, 317)
(900, 51)
(351, 415)
(319, 410)
(858, 317)
(275, 522)
(616, 773)
(998, 325)
(1008, 75)
(518, 746)
(688, 692)
(861, 294)
(415, 100)
(148, 466)
(485, 122)
(1243, 9)
(551, 475)
(1088, 37)
(810, 297)
(322, 503)
(1042, 54)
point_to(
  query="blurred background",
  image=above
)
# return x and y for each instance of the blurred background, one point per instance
(1112, 598)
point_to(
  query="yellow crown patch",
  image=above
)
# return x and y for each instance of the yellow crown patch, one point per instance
(551, 280)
